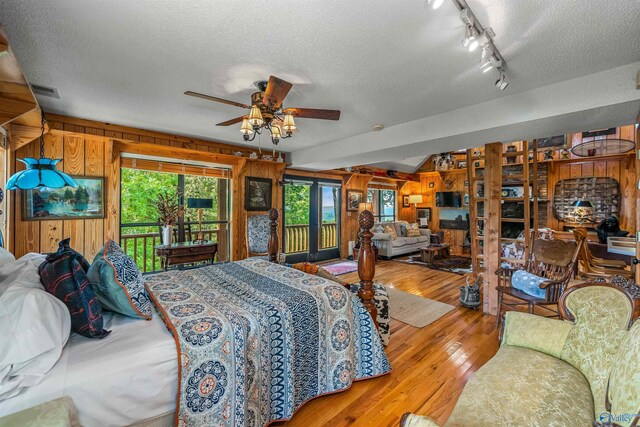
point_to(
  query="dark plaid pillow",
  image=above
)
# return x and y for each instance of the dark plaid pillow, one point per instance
(63, 274)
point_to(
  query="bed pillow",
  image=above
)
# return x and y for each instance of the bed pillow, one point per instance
(118, 283)
(34, 327)
(22, 272)
(64, 275)
(6, 256)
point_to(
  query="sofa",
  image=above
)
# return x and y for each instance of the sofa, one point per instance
(550, 372)
(389, 247)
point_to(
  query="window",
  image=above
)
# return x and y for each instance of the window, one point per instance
(384, 204)
(139, 228)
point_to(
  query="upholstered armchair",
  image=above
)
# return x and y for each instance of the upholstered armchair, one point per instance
(550, 266)
(258, 236)
(566, 372)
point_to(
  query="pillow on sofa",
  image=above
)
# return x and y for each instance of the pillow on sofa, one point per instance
(391, 231)
(528, 283)
(413, 230)
(118, 283)
(64, 275)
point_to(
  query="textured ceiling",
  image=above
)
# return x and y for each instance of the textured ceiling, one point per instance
(385, 62)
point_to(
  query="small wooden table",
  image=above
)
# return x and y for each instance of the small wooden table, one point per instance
(186, 253)
(429, 253)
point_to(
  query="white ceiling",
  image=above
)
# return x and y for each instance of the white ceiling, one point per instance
(388, 62)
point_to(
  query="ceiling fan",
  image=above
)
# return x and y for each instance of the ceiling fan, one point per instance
(266, 112)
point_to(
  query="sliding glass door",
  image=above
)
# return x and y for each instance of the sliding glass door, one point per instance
(311, 219)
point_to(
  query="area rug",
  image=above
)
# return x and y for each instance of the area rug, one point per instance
(415, 310)
(341, 267)
(454, 264)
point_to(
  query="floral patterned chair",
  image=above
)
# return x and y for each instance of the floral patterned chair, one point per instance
(550, 372)
(258, 236)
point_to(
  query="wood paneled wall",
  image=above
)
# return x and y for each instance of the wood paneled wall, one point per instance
(442, 181)
(349, 226)
(87, 148)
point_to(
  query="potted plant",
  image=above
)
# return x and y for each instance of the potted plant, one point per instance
(169, 209)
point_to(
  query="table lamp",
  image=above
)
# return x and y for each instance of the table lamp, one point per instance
(200, 204)
(415, 199)
(365, 206)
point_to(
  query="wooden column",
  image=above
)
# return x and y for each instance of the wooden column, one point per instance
(492, 207)
(367, 264)
(274, 241)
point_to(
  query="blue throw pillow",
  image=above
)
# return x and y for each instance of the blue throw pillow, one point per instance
(528, 283)
(118, 283)
(63, 274)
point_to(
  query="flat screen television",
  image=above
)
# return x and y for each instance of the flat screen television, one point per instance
(448, 199)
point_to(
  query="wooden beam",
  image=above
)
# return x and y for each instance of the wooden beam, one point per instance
(492, 206)
(16, 97)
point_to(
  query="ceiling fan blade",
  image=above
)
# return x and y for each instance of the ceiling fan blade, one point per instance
(215, 99)
(276, 92)
(313, 113)
(232, 121)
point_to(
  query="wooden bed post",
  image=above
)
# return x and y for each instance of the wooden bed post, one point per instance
(274, 244)
(367, 265)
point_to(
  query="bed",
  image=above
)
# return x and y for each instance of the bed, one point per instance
(247, 351)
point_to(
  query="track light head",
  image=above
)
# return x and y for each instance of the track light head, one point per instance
(502, 82)
(470, 41)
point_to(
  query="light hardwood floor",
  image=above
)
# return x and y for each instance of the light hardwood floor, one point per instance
(430, 365)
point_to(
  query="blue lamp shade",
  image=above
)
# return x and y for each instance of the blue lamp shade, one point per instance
(40, 173)
(195, 203)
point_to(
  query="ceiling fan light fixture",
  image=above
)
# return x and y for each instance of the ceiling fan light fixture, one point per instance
(246, 128)
(255, 117)
(276, 133)
(289, 124)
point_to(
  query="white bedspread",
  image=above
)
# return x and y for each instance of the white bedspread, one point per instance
(129, 376)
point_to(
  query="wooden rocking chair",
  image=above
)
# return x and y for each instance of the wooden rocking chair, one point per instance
(591, 266)
(554, 260)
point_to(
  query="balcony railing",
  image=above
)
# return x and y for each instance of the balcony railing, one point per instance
(297, 237)
(140, 247)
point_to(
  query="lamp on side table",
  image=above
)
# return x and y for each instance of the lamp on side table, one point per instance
(200, 204)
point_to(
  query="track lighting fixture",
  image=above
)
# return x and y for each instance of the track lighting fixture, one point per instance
(502, 82)
(476, 36)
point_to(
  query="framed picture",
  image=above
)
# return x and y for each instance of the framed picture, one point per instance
(354, 198)
(554, 141)
(405, 201)
(84, 202)
(423, 213)
(462, 164)
(432, 184)
(257, 193)
(456, 219)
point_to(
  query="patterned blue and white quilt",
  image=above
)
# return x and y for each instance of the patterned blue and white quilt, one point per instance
(256, 340)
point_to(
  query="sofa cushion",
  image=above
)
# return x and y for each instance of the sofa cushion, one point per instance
(624, 382)
(422, 239)
(523, 387)
(398, 226)
(391, 231)
(404, 241)
(592, 344)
